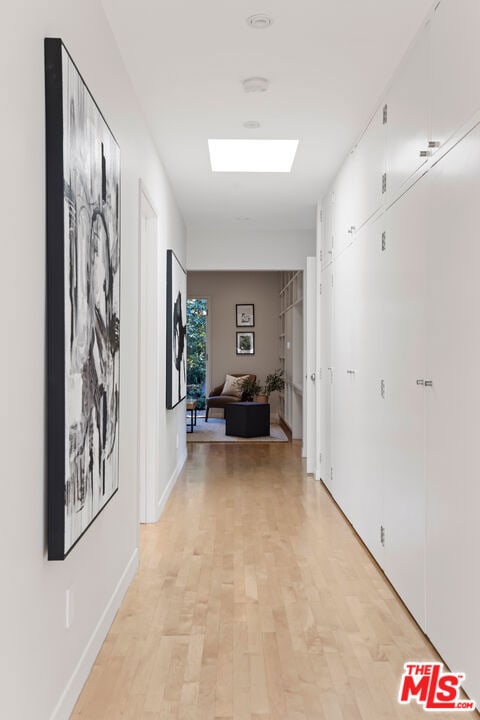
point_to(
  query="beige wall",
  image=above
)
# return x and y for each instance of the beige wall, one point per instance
(211, 249)
(224, 290)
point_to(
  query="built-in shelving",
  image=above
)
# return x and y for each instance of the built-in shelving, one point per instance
(290, 353)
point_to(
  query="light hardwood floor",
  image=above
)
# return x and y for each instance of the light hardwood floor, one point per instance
(254, 601)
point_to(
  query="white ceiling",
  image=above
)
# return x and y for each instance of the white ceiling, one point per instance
(328, 62)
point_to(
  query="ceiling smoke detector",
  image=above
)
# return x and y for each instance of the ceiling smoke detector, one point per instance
(251, 124)
(259, 21)
(255, 84)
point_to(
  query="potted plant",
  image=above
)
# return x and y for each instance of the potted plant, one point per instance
(274, 382)
(250, 388)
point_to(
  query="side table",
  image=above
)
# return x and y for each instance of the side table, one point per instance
(192, 408)
(247, 419)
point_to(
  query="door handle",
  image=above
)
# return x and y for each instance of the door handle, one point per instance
(312, 377)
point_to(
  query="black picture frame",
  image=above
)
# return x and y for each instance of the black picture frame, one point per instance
(176, 381)
(83, 304)
(245, 344)
(245, 315)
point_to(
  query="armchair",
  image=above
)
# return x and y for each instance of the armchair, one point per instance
(217, 400)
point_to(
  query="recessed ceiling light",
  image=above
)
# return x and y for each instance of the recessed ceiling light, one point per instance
(252, 155)
(251, 124)
(255, 84)
(259, 21)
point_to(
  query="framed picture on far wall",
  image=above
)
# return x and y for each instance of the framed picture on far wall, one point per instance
(176, 331)
(83, 303)
(245, 315)
(245, 343)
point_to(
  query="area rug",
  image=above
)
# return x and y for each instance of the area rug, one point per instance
(214, 431)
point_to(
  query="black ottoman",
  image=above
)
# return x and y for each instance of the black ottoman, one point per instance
(247, 419)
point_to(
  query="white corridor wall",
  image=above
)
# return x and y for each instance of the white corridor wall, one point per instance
(42, 664)
(399, 350)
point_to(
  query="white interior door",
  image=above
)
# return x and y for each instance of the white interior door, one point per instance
(402, 273)
(343, 460)
(453, 410)
(326, 377)
(148, 363)
(368, 410)
(310, 364)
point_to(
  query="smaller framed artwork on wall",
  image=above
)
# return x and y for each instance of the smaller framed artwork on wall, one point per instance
(245, 315)
(176, 331)
(245, 343)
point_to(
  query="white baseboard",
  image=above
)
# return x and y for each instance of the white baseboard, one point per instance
(79, 676)
(171, 483)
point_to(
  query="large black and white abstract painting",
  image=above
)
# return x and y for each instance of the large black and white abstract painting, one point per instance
(176, 331)
(83, 297)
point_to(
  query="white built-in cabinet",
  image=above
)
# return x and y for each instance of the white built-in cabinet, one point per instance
(453, 409)
(400, 337)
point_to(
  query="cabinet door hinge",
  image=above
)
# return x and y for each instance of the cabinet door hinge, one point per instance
(331, 473)
(384, 183)
(385, 114)
(384, 241)
(382, 389)
(382, 535)
(320, 457)
(321, 288)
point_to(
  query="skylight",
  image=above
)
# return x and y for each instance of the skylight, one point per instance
(252, 155)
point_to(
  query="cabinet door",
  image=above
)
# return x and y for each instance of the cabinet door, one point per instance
(403, 357)
(343, 380)
(407, 116)
(327, 229)
(368, 169)
(365, 448)
(326, 379)
(454, 66)
(344, 203)
(453, 410)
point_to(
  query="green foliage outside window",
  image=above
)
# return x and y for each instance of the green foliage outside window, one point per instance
(196, 350)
